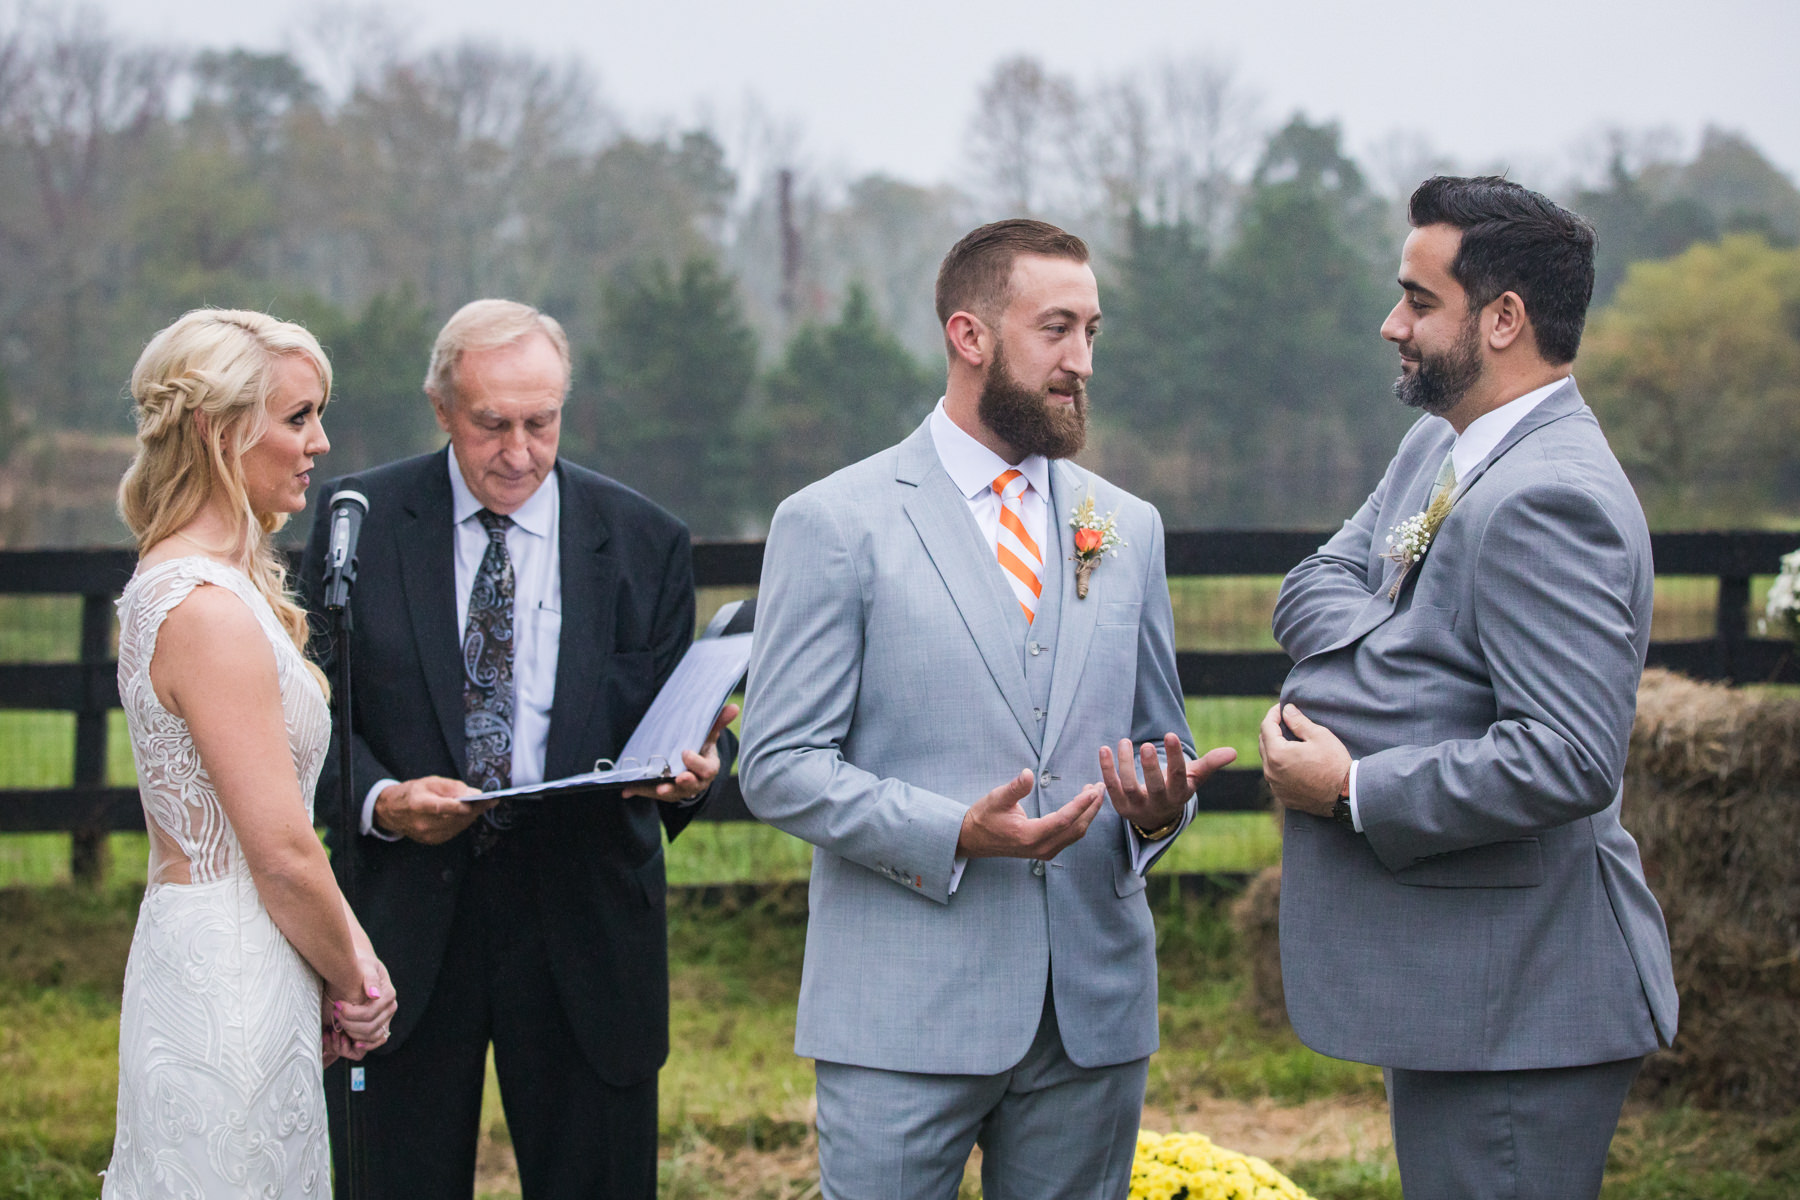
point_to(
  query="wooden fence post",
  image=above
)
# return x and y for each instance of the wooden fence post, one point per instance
(1733, 626)
(88, 848)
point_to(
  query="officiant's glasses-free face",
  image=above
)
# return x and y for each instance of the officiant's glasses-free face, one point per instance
(505, 419)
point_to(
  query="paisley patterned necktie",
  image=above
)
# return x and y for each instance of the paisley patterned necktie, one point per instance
(487, 659)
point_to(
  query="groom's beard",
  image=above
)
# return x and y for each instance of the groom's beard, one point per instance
(1440, 381)
(1025, 419)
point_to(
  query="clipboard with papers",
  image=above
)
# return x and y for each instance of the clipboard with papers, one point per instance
(678, 719)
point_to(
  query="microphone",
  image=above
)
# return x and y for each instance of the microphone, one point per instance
(348, 506)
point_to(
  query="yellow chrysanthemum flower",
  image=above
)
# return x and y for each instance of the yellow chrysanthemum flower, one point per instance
(1188, 1166)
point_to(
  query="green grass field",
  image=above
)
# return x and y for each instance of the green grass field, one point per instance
(735, 1099)
(706, 853)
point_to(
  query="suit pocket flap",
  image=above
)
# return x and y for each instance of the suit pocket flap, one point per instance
(1427, 616)
(1119, 612)
(1514, 864)
(652, 887)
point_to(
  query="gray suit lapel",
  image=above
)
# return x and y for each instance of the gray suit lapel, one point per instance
(1416, 497)
(1563, 402)
(1077, 617)
(941, 516)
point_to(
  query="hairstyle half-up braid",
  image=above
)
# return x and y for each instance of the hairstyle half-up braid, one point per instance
(200, 392)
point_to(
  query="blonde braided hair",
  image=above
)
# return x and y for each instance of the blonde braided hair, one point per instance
(218, 364)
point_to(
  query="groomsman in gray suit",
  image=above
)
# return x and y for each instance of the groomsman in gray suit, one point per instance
(943, 663)
(1460, 903)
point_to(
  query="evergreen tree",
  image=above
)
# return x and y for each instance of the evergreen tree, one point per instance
(1302, 373)
(378, 410)
(1633, 225)
(1159, 419)
(841, 392)
(665, 392)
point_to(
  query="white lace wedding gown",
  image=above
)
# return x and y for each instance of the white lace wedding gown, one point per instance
(220, 1089)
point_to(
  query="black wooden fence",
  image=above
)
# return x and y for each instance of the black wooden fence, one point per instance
(88, 687)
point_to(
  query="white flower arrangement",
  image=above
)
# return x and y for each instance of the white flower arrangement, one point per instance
(1782, 612)
(1406, 545)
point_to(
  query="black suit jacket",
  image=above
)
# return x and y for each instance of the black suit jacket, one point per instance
(597, 866)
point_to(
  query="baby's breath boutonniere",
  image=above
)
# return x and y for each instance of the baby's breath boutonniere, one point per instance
(1406, 546)
(1412, 537)
(1095, 538)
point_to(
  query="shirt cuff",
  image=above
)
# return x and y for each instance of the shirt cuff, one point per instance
(1355, 813)
(368, 812)
(1144, 852)
(956, 870)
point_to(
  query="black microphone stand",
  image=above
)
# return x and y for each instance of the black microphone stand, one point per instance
(349, 818)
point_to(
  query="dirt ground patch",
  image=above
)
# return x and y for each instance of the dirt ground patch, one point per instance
(1290, 1133)
(693, 1165)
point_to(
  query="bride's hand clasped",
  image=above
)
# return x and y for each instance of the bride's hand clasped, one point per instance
(355, 1025)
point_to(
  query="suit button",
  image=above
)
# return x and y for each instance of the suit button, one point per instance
(1036, 649)
(1037, 868)
(449, 875)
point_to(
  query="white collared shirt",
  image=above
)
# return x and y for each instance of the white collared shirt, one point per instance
(532, 544)
(973, 467)
(1488, 430)
(1468, 451)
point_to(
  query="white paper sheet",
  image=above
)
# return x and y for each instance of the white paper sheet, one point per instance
(678, 719)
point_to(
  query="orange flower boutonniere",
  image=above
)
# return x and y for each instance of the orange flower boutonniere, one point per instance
(1095, 538)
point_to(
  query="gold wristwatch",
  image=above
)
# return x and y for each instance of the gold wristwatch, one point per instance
(1160, 832)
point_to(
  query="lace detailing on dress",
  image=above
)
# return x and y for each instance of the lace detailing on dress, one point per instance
(179, 802)
(220, 1088)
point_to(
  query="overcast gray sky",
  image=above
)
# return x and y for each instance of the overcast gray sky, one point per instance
(890, 86)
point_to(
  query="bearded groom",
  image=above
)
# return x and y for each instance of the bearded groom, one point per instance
(931, 699)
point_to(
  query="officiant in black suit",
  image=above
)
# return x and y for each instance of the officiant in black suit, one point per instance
(514, 615)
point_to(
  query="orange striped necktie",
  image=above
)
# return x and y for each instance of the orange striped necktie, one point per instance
(1019, 555)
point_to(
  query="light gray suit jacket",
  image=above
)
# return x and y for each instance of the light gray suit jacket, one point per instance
(1493, 914)
(888, 692)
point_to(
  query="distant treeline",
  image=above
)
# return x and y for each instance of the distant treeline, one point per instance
(743, 325)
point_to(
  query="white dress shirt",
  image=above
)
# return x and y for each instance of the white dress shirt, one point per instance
(1468, 451)
(532, 544)
(973, 467)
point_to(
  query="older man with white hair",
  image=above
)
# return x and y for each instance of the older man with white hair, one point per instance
(514, 614)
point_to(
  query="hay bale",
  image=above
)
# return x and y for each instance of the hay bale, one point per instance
(1256, 915)
(1712, 793)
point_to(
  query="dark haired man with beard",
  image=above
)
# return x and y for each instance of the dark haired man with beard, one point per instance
(1460, 903)
(931, 695)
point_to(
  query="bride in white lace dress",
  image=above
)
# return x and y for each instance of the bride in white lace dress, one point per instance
(247, 969)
